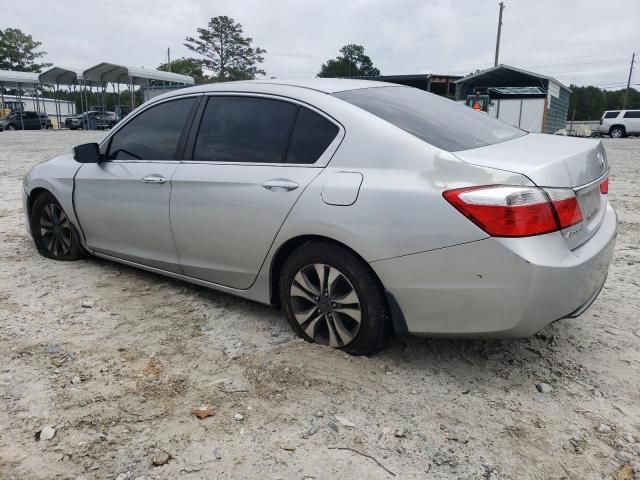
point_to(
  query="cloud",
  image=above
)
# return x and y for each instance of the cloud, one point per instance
(576, 42)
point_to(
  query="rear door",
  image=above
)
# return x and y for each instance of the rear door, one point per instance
(123, 203)
(252, 158)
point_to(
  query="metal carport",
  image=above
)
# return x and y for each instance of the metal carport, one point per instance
(104, 73)
(61, 76)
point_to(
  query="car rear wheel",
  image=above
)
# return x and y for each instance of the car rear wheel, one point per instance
(53, 233)
(617, 132)
(331, 297)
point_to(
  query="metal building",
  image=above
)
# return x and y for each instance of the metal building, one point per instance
(533, 102)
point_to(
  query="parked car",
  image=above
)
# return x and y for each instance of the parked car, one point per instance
(27, 120)
(362, 208)
(80, 121)
(620, 123)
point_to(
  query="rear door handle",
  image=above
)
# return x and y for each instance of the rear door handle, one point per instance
(154, 178)
(280, 185)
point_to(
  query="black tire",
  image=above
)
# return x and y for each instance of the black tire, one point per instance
(62, 242)
(617, 132)
(374, 329)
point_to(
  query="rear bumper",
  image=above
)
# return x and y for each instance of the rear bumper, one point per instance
(499, 287)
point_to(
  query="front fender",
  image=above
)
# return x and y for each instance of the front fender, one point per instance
(56, 176)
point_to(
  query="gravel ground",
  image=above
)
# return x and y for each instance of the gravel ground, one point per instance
(115, 359)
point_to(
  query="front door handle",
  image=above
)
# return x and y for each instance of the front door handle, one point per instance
(155, 178)
(280, 185)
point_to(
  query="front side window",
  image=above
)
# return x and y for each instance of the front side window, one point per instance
(153, 134)
(438, 121)
(244, 129)
(632, 114)
(611, 114)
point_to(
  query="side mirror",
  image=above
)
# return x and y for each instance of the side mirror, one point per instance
(87, 153)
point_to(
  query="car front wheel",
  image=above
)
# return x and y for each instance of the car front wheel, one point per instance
(53, 233)
(331, 297)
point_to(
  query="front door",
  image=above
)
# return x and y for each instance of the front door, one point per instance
(252, 158)
(122, 204)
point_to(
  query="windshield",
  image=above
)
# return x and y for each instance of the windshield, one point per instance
(438, 121)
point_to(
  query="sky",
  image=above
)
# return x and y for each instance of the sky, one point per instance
(583, 42)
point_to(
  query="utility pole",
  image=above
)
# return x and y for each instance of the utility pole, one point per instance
(495, 63)
(168, 59)
(626, 92)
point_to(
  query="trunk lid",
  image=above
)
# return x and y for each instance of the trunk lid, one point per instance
(554, 162)
(548, 160)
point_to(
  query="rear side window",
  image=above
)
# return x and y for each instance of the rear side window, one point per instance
(311, 136)
(611, 114)
(153, 134)
(244, 129)
(633, 114)
(436, 120)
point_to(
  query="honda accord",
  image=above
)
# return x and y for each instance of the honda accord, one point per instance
(361, 208)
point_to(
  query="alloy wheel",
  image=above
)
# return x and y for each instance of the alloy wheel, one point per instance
(326, 305)
(616, 133)
(55, 230)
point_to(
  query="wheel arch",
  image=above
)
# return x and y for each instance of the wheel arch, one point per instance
(287, 248)
(33, 195)
(618, 125)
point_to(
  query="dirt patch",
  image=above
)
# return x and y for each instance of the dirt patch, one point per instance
(118, 380)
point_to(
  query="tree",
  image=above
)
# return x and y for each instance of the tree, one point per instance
(226, 52)
(352, 63)
(589, 102)
(19, 51)
(186, 66)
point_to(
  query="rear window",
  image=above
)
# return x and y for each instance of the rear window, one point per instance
(611, 114)
(438, 121)
(633, 114)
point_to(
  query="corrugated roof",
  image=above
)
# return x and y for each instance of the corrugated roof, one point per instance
(113, 73)
(514, 69)
(11, 78)
(60, 76)
(518, 90)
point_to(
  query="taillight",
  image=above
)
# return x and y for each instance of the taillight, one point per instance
(600, 121)
(566, 206)
(511, 211)
(604, 186)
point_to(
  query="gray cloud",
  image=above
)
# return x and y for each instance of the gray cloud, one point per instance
(583, 42)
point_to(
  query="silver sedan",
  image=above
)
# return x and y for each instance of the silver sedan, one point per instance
(361, 208)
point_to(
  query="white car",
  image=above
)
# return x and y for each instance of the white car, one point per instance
(620, 123)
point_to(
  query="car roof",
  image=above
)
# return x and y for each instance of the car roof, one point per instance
(324, 85)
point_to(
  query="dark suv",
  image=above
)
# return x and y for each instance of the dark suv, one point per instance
(26, 120)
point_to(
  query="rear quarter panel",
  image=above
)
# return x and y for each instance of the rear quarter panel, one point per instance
(399, 209)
